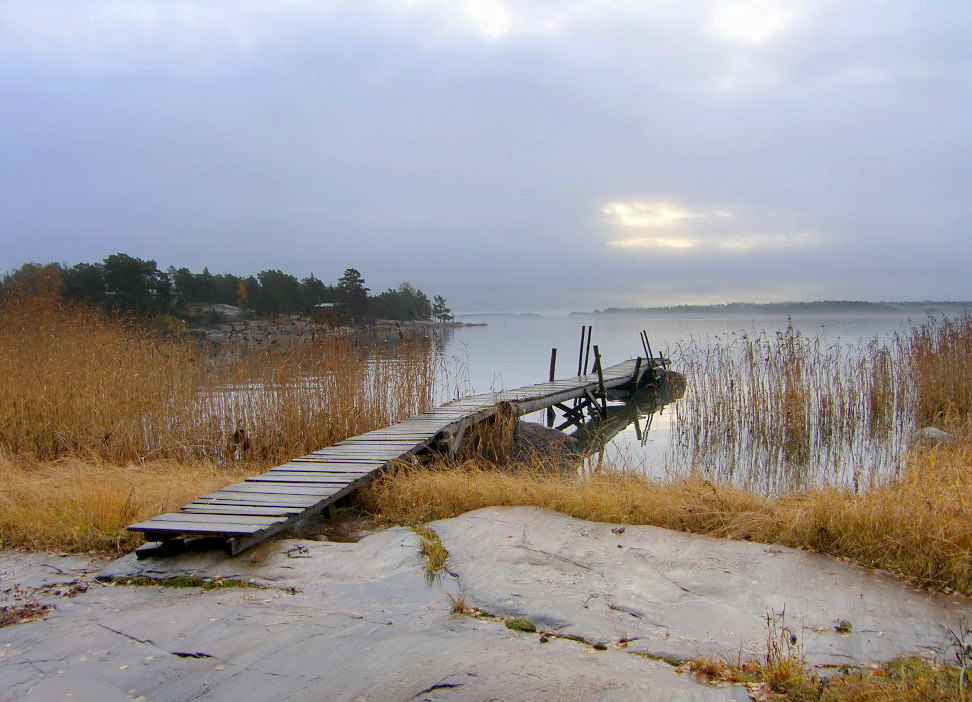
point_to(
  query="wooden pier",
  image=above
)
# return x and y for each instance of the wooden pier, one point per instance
(246, 513)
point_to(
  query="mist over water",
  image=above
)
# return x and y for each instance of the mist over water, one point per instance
(514, 350)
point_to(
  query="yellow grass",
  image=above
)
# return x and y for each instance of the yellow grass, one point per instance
(917, 526)
(74, 382)
(83, 505)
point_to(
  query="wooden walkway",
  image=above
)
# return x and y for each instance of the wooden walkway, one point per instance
(249, 512)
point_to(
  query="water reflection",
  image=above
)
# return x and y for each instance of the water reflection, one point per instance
(596, 432)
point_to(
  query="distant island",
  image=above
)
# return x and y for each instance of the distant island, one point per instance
(817, 307)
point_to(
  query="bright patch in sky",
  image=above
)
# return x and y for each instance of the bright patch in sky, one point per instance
(489, 18)
(752, 21)
(646, 214)
(733, 243)
(655, 242)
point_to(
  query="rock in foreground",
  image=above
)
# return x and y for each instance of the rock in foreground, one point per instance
(359, 622)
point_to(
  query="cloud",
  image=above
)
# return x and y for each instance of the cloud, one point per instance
(663, 225)
(752, 21)
(741, 243)
(490, 19)
(646, 214)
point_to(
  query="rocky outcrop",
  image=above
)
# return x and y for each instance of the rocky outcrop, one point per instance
(359, 621)
(685, 595)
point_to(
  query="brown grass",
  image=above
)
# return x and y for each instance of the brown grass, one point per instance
(74, 382)
(917, 526)
(940, 360)
(81, 505)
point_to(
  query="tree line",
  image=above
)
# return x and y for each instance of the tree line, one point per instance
(128, 285)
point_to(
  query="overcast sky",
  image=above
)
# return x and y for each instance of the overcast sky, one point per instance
(510, 155)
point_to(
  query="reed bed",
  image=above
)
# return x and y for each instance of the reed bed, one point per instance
(74, 504)
(74, 382)
(781, 412)
(917, 525)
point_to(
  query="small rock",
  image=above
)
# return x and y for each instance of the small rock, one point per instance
(534, 440)
(933, 437)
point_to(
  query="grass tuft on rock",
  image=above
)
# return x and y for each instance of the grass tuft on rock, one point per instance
(434, 552)
(520, 624)
(181, 581)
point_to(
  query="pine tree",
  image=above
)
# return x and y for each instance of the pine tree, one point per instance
(440, 312)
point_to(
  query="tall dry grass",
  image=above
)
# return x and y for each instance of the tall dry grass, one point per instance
(939, 354)
(74, 382)
(917, 526)
(782, 411)
(74, 504)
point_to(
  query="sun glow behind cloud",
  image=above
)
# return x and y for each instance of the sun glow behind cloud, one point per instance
(664, 225)
(646, 214)
(752, 21)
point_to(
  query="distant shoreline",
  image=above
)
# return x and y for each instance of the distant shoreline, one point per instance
(817, 307)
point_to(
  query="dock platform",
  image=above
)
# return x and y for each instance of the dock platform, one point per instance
(247, 513)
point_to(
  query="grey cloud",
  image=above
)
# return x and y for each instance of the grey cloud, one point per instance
(411, 145)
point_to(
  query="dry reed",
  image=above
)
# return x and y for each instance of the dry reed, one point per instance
(917, 526)
(74, 382)
(782, 411)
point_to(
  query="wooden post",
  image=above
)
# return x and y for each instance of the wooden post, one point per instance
(637, 373)
(644, 343)
(553, 368)
(647, 344)
(600, 381)
(580, 352)
(587, 355)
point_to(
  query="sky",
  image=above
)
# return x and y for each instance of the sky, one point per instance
(540, 155)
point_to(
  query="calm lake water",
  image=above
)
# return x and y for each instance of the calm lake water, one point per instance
(514, 350)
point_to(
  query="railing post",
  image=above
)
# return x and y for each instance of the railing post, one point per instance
(553, 369)
(600, 381)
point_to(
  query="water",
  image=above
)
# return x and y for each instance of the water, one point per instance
(512, 351)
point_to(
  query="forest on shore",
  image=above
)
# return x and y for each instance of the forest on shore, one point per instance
(127, 285)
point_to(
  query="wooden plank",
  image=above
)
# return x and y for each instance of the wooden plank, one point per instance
(258, 499)
(323, 461)
(202, 527)
(209, 508)
(317, 478)
(276, 489)
(336, 474)
(179, 517)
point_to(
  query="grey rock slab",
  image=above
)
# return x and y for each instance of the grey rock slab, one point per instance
(685, 594)
(340, 621)
(286, 563)
(39, 575)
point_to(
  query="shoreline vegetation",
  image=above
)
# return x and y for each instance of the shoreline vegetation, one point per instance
(174, 298)
(103, 422)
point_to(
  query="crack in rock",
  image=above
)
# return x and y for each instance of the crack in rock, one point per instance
(149, 642)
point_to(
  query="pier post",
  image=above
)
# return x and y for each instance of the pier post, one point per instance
(600, 381)
(553, 369)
